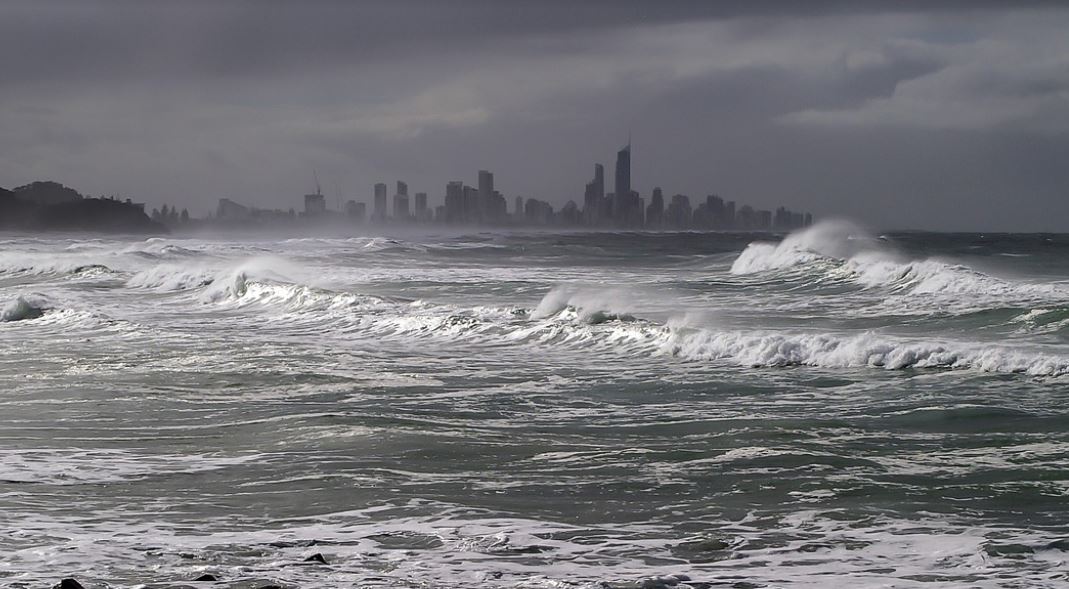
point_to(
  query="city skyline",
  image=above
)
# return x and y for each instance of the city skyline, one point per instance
(483, 205)
(913, 115)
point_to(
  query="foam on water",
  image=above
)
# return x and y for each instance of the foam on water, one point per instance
(827, 350)
(841, 250)
(50, 466)
(454, 547)
(24, 308)
(587, 411)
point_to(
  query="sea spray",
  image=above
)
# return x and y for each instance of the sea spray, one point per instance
(24, 308)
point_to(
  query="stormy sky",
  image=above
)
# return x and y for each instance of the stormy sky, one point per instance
(931, 115)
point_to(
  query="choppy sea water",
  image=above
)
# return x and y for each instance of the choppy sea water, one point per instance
(536, 410)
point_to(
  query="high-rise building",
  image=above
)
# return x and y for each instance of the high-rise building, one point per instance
(655, 212)
(623, 172)
(746, 218)
(355, 210)
(402, 188)
(627, 205)
(315, 204)
(678, 214)
(486, 184)
(518, 211)
(379, 211)
(400, 207)
(454, 202)
(471, 205)
(485, 205)
(714, 206)
(422, 212)
(594, 198)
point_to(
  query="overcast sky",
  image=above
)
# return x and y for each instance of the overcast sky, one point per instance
(935, 115)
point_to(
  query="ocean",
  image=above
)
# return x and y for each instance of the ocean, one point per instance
(536, 410)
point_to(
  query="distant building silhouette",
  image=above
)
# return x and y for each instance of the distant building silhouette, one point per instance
(400, 202)
(379, 209)
(315, 204)
(655, 212)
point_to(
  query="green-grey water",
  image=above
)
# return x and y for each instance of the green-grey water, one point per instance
(536, 410)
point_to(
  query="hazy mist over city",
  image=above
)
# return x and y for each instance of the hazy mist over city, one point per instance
(929, 115)
(605, 294)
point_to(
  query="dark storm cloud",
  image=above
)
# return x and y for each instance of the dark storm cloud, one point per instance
(821, 105)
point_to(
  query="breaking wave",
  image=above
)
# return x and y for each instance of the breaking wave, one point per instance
(586, 304)
(24, 308)
(860, 350)
(842, 250)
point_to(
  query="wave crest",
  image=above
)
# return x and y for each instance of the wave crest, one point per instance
(840, 250)
(858, 351)
(24, 308)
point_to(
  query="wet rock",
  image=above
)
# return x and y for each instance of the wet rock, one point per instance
(317, 557)
(702, 550)
(532, 549)
(1009, 550)
(68, 583)
(704, 545)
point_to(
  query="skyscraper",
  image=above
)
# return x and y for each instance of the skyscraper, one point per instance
(486, 184)
(422, 212)
(315, 204)
(454, 202)
(627, 205)
(400, 201)
(594, 197)
(379, 211)
(486, 194)
(400, 207)
(623, 172)
(655, 212)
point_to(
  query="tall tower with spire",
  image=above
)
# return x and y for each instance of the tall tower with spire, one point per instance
(624, 200)
(623, 171)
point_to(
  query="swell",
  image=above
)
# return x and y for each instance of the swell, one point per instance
(837, 251)
(582, 320)
(92, 259)
(24, 308)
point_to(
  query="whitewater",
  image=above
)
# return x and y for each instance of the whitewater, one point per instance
(536, 410)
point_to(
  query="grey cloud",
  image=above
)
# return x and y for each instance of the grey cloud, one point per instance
(826, 106)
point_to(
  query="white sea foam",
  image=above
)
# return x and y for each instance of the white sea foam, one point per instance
(49, 466)
(861, 350)
(841, 250)
(33, 263)
(25, 307)
(827, 240)
(590, 304)
(216, 281)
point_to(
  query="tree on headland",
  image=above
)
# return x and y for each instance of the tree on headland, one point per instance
(47, 193)
(47, 205)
